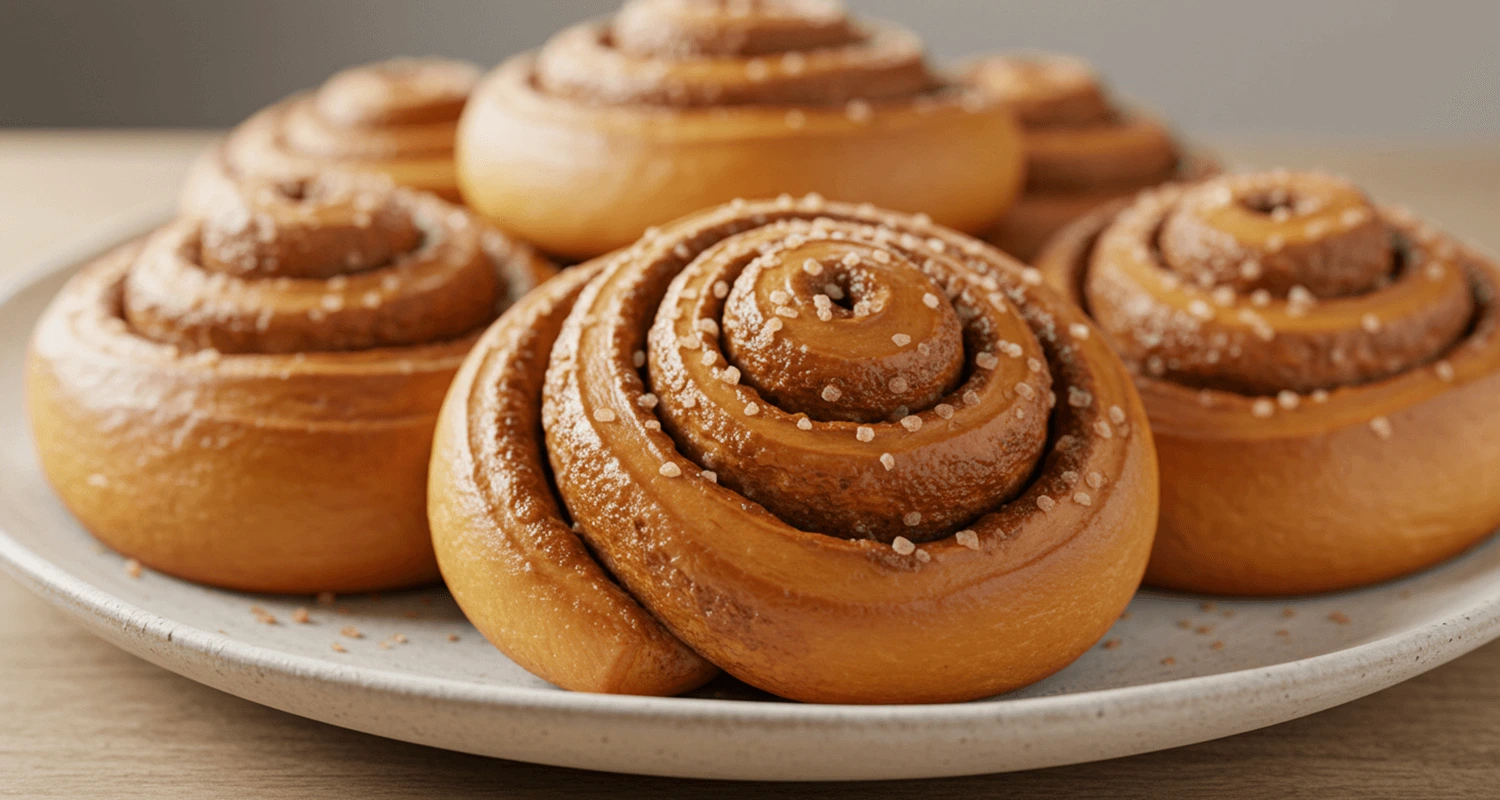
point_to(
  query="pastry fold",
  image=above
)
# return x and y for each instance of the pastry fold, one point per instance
(1083, 150)
(395, 118)
(670, 107)
(844, 454)
(247, 398)
(1320, 374)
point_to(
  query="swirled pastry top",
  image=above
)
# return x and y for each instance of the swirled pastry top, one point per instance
(689, 53)
(1077, 137)
(335, 275)
(246, 396)
(1320, 373)
(672, 106)
(859, 375)
(802, 432)
(395, 118)
(1279, 290)
(323, 264)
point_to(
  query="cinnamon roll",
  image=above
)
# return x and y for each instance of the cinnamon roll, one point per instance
(675, 105)
(844, 454)
(246, 399)
(1320, 372)
(1082, 149)
(393, 118)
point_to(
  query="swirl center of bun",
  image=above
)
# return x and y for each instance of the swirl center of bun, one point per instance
(307, 229)
(400, 110)
(404, 91)
(843, 330)
(1278, 283)
(686, 28)
(1047, 90)
(1267, 232)
(397, 119)
(681, 53)
(331, 263)
(854, 378)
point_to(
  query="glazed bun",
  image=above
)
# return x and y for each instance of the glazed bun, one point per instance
(393, 118)
(674, 105)
(1320, 372)
(246, 399)
(844, 454)
(1083, 150)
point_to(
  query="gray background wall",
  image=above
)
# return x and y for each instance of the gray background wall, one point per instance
(1362, 67)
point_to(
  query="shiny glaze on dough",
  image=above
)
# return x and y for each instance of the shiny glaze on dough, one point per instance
(393, 118)
(294, 458)
(630, 410)
(670, 107)
(1083, 150)
(1307, 443)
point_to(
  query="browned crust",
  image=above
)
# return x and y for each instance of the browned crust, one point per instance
(805, 615)
(288, 472)
(234, 474)
(1083, 150)
(349, 125)
(517, 570)
(1380, 480)
(581, 147)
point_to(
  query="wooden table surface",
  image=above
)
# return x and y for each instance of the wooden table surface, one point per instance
(79, 718)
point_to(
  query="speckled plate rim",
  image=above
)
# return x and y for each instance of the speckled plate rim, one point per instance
(791, 741)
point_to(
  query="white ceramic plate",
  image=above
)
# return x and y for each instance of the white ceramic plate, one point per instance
(1174, 671)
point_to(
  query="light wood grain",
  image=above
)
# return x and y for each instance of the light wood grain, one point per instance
(79, 718)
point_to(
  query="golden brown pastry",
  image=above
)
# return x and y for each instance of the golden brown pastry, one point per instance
(844, 454)
(247, 399)
(1082, 150)
(1321, 376)
(675, 105)
(394, 118)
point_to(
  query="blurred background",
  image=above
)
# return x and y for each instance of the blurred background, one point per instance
(1367, 68)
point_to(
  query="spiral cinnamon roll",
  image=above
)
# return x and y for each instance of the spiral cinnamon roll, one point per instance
(844, 454)
(676, 105)
(1082, 149)
(247, 399)
(1320, 372)
(393, 118)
